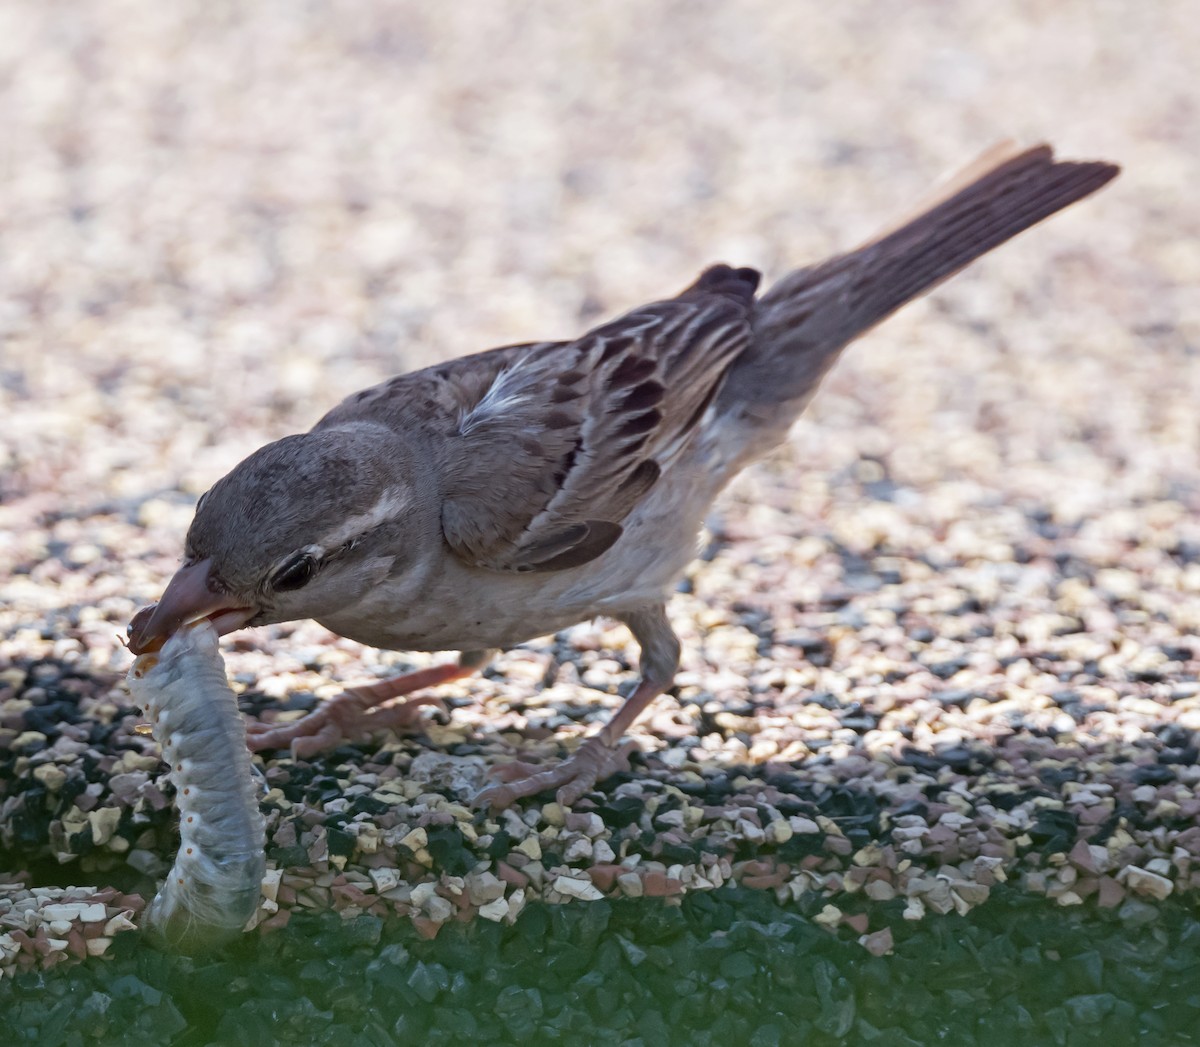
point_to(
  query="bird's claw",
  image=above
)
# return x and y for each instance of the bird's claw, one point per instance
(592, 763)
(340, 719)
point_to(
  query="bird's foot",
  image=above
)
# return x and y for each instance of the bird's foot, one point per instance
(594, 761)
(354, 714)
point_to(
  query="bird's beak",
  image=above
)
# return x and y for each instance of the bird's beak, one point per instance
(188, 596)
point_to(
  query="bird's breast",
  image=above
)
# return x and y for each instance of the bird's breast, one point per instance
(453, 606)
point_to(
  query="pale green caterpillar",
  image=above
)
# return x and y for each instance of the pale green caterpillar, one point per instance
(213, 888)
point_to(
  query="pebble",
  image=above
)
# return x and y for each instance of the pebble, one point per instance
(829, 916)
(584, 890)
(415, 840)
(877, 944)
(495, 910)
(1142, 881)
(531, 847)
(438, 909)
(578, 850)
(631, 885)
(51, 776)
(880, 891)
(84, 912)
(384, 879)
(422, 893)
(484, 887)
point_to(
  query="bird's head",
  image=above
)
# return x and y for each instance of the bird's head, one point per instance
(302, 528)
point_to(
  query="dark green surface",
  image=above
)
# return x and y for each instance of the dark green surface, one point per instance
(728, 967)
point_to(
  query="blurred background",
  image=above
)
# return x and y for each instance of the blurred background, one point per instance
(217, 219)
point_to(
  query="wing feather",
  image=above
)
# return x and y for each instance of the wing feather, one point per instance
(544, 449)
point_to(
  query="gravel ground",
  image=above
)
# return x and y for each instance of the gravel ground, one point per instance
(724, 967)
(944, 640)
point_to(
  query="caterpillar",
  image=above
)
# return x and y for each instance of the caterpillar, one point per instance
(213, 887)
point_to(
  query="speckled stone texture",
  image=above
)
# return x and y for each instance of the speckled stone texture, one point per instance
(946, 638)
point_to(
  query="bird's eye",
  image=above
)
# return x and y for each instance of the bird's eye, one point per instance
(295, 574)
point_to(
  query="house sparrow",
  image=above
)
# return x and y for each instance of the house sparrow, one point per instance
(502, 496)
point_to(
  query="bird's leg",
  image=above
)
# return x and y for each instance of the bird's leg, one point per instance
(604, 753)
(359, 710)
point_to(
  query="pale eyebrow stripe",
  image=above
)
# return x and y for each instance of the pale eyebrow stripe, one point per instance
(391, 504)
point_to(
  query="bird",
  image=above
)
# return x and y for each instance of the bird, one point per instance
(482, 502)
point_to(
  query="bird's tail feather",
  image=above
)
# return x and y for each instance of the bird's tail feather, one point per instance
(948, 235)
(805, 320)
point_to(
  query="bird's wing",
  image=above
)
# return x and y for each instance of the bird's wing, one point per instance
(543, 449)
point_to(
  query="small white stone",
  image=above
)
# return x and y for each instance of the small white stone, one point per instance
(752, 832)
(93, 912)
(494, 910)
(63, 911)
(270, 884)
(631, 885)
(828, 916)
(438, 909)
(1162, 866)
(779, 831)
(1142, 881)
(416, 839)
(531, 847)
(954, 820)
(384, 879)
(595, 825)
(914, 910)
(579, 849)
(938, 898)
(972, 893)
(484, 888)
(516, 902)
(910, 821)
(879, 891)
(51, 776)
(603, 853)
(584, 890)
(422, 893)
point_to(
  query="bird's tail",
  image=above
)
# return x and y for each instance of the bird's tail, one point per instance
(804, 321)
